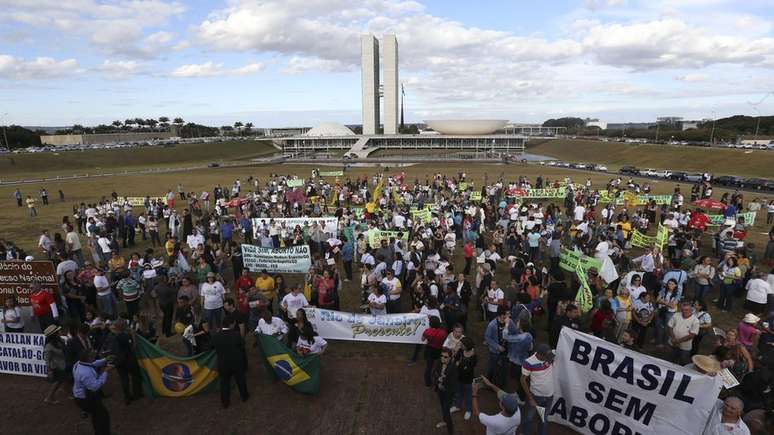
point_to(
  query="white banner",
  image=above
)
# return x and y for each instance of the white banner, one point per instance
(602, 388)
(193, 241)
(329, 224)
(22, 354)
(295, 259)
(387, 328)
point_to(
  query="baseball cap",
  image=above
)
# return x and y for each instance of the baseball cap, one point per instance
(509, 403)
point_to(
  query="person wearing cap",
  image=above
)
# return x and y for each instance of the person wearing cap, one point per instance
(538, 384)
(213, 293)
(507, 421)
(54, 356)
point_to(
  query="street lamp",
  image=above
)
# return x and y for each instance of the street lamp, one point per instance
(5, 135)
(712, 133)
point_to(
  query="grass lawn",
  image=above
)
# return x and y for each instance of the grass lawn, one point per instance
(719, 161)
(20, 166)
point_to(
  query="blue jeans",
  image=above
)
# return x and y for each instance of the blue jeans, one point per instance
(661, 327)
(530, 412)
(213, 317)
(726, 299)
(497, 367)
(701, 291)
(464, 397)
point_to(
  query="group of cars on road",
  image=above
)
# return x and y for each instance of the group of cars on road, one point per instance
(585, 166)
(724, 180)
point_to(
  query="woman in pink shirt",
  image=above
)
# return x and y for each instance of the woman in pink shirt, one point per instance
(326, 293)
(748, 332)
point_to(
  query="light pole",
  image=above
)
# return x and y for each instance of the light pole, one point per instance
(5, 135)
(712, 133)
(757, 124)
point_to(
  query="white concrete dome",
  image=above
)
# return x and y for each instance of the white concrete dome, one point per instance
(330, 129)
(466, 126)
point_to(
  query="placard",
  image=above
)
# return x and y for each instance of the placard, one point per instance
(22, 354)
(387, 328)
(601, 388)
(329, 225)
(193, 241)
(294, 259)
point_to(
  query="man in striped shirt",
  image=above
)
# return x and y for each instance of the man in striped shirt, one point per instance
(130, 292)
(538, 384)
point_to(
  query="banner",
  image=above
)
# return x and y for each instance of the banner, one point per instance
(463, 186)
(295, 182)
(602, 388)
(193, 241)
(328, 224)
(634, 200)
(584, 297)
(718, 219)
(299, 373)
(358, 212)
(559, 192)
(375, 237)
(422, 216)
(139, 201)
(294, 259)
(570, 260)
(662, 236)
(16, 277)
(22, 354)
(167, 375)
(475, 196)
(640, 240)
(331, 174)
(387, 328)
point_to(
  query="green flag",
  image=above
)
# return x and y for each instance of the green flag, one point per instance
(167, 375)
(300, 373)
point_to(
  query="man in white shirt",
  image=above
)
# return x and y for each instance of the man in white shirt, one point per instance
(670, 222)
(758, 291)
(212, 293)
(44, 243)
(578, 212)
(506, 421)
(683, 326)
(494, 297)
(293, 301)
(105, 300)
(726, 418)
(393, 290)
(74, 245)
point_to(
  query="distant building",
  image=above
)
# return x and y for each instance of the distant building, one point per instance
(589, 122)
(532, 130)
(669, 120)
(630, 125)
(103, 138)
(688, 125)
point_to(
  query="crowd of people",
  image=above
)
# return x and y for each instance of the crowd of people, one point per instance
(487, 272)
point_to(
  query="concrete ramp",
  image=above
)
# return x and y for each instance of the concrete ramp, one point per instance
(360, 148)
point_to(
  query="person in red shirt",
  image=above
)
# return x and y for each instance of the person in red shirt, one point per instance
(433, 337)
(43, 306)
(698, 221)
(244, 281)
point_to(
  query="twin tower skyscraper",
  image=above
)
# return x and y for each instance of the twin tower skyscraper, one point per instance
(370, 83)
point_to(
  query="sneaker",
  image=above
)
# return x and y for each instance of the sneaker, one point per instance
(466, 416)
(440, 425)
(453, 409)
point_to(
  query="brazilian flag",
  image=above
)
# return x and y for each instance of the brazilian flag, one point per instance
(167, 375)
(300, 373)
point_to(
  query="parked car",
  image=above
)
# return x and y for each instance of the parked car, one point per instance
(663, 173)
(727, 180)
(757, 183)
(596, 167)
(648, 172)
(693, 178)
(680, 176)
(631, 170)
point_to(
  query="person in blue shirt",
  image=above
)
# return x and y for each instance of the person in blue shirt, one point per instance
(130, 222)
(347, 255)
(88, 378)
(498, 351)
(247, 229)
(679, 275)
(226, 232)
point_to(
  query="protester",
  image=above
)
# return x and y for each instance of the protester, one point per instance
(54, 355)
(445, 381)
(89, 375)
(230, 349)
(507, 421)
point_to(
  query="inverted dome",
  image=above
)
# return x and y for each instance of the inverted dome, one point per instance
(466, 126)
(330, 129)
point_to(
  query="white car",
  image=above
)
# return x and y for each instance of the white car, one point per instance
(601, 168)
(663, 174)
(648, 172)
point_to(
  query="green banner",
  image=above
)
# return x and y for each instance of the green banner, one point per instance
(662, 236)
(718, 219)
(463, 186)
(475, 196)
(296, 182)
(605, 197)
(167, 375)
(359, 212)
(640, 240)
(375, 237)
(331, 173)
(299, 373)
(558, 192)
(569, 261)
(584, 297)
(422, 216)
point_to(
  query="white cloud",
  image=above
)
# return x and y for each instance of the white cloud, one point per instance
(692, 78)
(595, 5)
(14, 68)
(120, 69)
(118, 27)
(301, 64)
(211, 69)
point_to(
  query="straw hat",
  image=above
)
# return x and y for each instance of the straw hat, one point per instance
(706, 364)
(51, 330)
(751, 318)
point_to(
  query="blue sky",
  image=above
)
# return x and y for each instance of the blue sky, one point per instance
(295, 62)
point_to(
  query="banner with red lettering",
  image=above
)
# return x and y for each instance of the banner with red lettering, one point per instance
(601, 388)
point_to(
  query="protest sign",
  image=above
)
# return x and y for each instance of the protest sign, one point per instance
(558, 192)
(294, 259)
(139, 201)
(22, 354)
(718, 219)
(662, 236)
(194, 241)
(296, 182)
(601, 388)
(331, 173)
(640, 240)
(16, 277)
(328, 224)
(584, 297)
(463, 186)
(359, 212)
(388, 328)
(729, 380)
(570, 260)
(422, 216)
(375, 237)
(475, 196)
